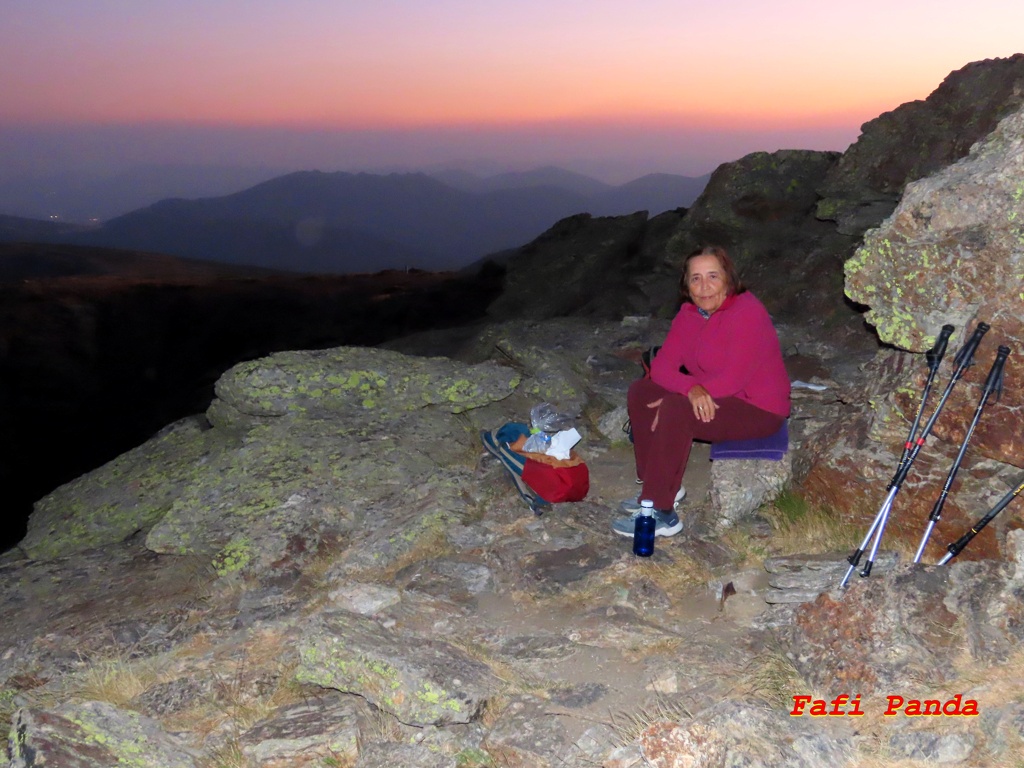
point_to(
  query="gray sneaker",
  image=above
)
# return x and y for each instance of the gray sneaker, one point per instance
(666, 523)
(632, 506)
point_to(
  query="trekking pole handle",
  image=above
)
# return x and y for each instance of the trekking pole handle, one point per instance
(938, 351)
(994, 382)
(965, 357)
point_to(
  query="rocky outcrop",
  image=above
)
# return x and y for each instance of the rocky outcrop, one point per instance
(583, 266)
(94, 734)
(286, 429)
(735, 733)
(883, 634)
(950, 253)
(917, 139)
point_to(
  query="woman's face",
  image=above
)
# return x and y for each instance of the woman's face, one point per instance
(707, 282)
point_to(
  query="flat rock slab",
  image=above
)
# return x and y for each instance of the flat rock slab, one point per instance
(801, 578)
(393, 755)
(319, 729)
(93, 735)
(526, 735)
(541, 647)
(419, 680)
(551, 570)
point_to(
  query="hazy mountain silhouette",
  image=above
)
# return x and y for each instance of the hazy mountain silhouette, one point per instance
(81, 196)
(312, 221)
(546, 176)
(19, 228)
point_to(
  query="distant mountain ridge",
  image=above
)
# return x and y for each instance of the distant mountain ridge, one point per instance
(311, 221)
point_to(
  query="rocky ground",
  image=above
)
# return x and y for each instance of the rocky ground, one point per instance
(377, 594)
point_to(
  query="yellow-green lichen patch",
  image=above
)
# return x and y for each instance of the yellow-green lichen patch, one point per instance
(473, 757)
(234, 557)
(437, 698)
(124, 735)
(130, 493)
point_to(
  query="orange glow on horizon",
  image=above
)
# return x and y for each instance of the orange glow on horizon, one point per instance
(676, 66)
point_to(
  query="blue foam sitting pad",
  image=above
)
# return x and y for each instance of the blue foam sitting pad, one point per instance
(771, 448)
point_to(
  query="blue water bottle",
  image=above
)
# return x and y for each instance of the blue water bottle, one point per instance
(643, 531)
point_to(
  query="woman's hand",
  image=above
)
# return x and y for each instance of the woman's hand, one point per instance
(703, 406)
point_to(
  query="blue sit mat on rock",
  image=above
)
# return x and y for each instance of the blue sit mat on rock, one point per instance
(771, 448)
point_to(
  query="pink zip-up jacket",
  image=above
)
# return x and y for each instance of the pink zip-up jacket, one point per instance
(734, 353)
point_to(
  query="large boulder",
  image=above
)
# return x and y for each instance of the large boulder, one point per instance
(293, 434)
(951, 251)
(888, 633)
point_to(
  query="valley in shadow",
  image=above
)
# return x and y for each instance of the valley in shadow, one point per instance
(100, 349)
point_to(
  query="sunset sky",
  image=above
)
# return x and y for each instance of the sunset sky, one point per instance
(610, 88)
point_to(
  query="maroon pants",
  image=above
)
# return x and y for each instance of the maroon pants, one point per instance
(661, 454)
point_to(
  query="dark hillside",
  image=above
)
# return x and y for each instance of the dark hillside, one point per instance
(92, 362)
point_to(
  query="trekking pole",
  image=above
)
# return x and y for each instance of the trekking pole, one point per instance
(934, 357)
(954, 549)
(994, 383)
(964, 358)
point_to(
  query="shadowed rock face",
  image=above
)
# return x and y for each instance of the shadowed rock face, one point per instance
(761, 209)
(578, 267)
(917, 139)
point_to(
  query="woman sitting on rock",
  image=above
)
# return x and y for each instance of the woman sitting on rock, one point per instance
(718, 376)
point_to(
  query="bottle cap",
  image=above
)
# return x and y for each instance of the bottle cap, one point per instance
(646, 507)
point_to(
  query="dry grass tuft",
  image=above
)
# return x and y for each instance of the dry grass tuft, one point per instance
(802, 527)
(247, 690)
(629, 725)
(515, 680)
(677, 577)
(115, 681)
(796, 526)
(612, 585)
(383, 726)
(770, 677)
(228, 756)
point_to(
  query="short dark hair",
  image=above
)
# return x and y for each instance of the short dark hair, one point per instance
(733, 283)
